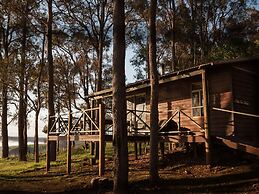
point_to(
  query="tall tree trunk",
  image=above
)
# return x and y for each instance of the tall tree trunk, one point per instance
(5, 148)
(38, 105)
(36, 137)
(100, 49)
(22, 106)
(25, 132)
(174, 61)
(201, 32)
(119, 100)
(51, 111)
(153, 170)
(193, 36)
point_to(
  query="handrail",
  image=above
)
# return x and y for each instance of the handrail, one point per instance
(63, 124)
(178, 112)
(236, 112)
(132, 111)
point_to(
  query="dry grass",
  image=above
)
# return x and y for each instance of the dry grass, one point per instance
(179, 173)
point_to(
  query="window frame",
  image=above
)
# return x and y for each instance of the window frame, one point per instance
(199, 108)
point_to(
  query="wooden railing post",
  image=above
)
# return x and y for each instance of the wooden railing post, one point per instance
(101, 140)
(84, 120)
(69, 144)
(48, 147)
(179, 119)
(206, 117)
(135, 125)
(92, 145)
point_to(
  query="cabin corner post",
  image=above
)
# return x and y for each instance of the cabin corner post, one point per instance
(206, 116)
(135, 125)
(101, 139)
(69, 143)
(47, 151)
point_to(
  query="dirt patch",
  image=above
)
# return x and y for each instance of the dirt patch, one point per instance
(179, 172)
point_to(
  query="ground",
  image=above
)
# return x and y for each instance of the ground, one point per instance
(180, 172)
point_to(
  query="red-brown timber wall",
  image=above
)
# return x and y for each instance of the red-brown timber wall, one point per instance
(174, 95)
(245, 100)
(221, 96)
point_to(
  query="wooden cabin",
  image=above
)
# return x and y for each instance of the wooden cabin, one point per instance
(210, 103)
(220, 97)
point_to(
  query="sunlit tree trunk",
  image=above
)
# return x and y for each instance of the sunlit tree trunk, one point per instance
(51, 111)
(153, 168)
(119, 100)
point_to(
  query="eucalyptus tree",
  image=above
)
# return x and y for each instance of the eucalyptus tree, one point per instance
(51, 110)
(7, 29)
(119, 100)
(38, 72)
(93, 20)
(153, 170)
(23, 9)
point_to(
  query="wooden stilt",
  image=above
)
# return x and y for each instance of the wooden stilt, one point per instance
(179, 119)
(48, 147)
(145, 149)
(135, 127)
(136, 150)
(69, 144)
(162, 148)
(101, 140)
(92, 144)
(194, 150)
(47, 155)
(206, 117)
(140, 148)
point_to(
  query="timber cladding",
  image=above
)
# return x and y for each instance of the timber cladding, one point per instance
(174, 96)
(245, 100)
(221, 96)
(232, 87)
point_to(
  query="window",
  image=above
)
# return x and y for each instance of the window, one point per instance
(197, 100)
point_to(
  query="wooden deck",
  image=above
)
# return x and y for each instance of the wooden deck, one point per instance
(173, 138)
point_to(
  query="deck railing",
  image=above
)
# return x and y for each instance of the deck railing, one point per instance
(81, 122)
(179, 113)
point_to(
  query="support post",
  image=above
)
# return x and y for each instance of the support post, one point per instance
(162, 148)
(47, 153)
(206, 117)
(92, 145)
(101, 140)
(59, 125)
(179, 119)
(135, 127)
(140, 148)
(69, 144)
(84, 121)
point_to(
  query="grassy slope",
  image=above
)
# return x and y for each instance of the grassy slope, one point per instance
(179, 173)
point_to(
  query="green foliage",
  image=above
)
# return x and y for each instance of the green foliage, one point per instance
(197, 32)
